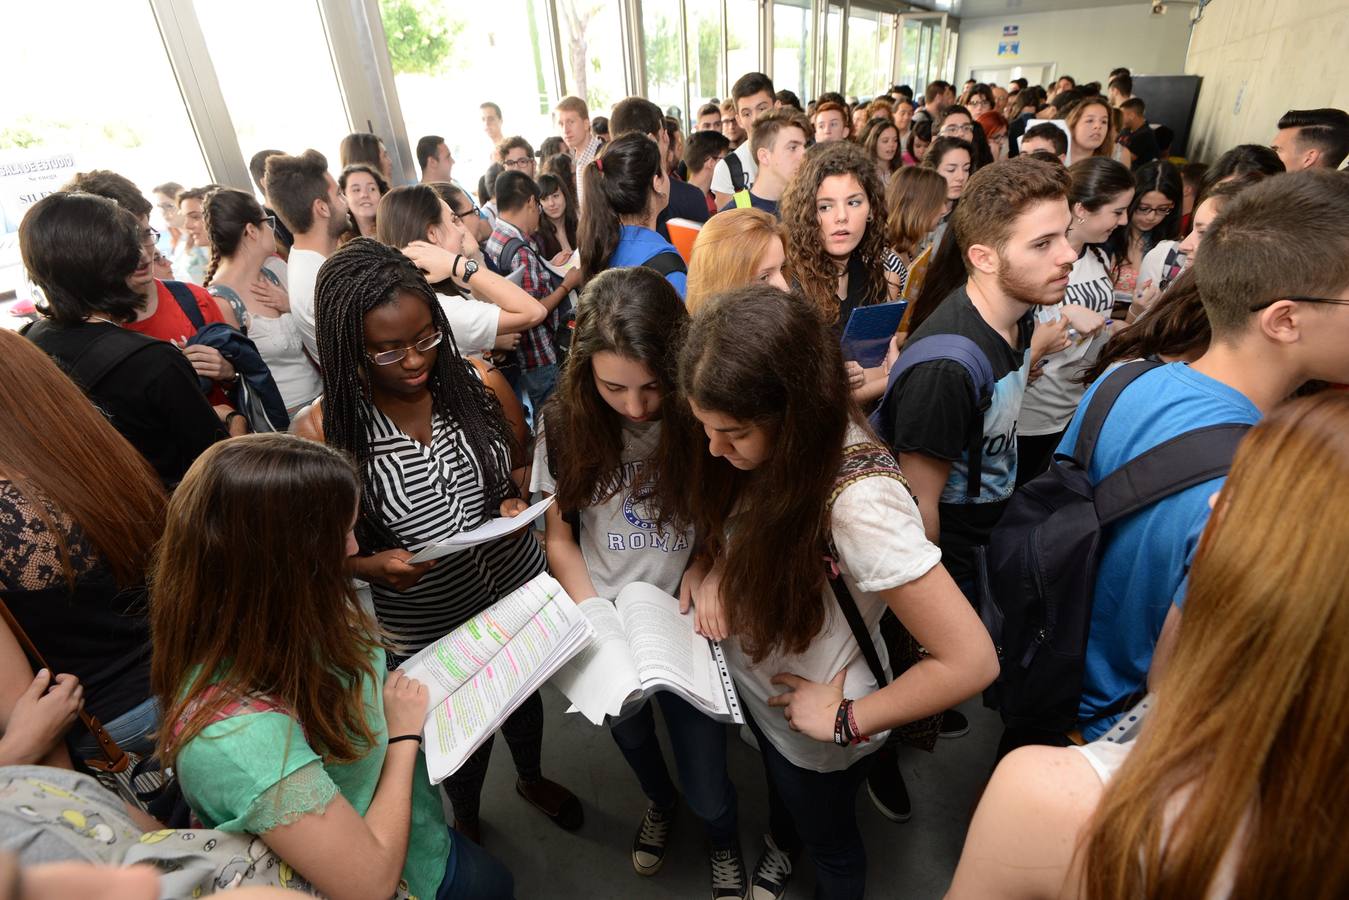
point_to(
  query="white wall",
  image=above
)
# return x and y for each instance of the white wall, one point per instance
(1260, 58)
(1086, 43)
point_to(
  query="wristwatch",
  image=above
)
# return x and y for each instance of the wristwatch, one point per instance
(470, 267)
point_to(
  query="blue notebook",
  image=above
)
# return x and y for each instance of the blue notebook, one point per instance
(867, 335)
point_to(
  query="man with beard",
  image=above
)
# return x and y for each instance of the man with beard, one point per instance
(955, 438)
(306, 198)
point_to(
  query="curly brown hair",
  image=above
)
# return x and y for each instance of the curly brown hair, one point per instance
(809, 266)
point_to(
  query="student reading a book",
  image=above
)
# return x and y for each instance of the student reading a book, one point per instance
(788, 472)
(834, 213)
(281, 720)
(739, 246)
(435, 456)
(603, 453)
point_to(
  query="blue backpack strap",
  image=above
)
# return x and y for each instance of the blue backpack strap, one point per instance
(187, 302)
(966, 353)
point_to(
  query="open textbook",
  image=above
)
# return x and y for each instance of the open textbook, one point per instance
(642, 645)
(478, 674)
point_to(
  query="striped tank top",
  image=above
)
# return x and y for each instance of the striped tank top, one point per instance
(429, 494)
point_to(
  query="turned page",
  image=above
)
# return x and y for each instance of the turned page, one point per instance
(663, 641)
(600, 678)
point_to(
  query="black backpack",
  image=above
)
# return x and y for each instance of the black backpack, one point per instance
(737, 170)
(1043, 556)
(566, 310)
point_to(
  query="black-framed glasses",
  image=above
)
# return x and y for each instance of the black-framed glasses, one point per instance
(269, 221)
(1155, 210)
(953, 129)
(1331, 300)
(472, 210)
(389, 357)
(522, 163)
(149, 236)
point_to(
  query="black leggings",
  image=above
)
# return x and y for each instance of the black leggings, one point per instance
(523, 731)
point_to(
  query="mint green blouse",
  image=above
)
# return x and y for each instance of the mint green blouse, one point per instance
(254, 771)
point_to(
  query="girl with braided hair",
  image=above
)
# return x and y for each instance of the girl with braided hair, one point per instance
(435, 456)
(243, 239)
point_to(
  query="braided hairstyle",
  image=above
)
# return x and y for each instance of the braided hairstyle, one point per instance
(362, 276)
(226, 213)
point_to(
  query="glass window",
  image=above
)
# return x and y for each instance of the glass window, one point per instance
(742, 38)
(438, 48)
(909, 72)
(707, 62)
(592, 41)
(86, 107)
(833, 49)
(793, 61)
(885, 55)
(664, 57)
(864, 71)
(256, 63)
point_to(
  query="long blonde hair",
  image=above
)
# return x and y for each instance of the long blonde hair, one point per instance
(727, 251)
(1249, 723)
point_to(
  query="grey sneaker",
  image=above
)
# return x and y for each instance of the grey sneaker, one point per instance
(648, 847)
(728, 874)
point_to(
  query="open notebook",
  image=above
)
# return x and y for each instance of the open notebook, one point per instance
(482, 671)
(642, 645)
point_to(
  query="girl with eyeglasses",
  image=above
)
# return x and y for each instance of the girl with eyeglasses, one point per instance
(435, 455)
(243, 239)
(1154, 216)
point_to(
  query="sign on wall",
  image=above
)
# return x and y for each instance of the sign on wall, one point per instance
(1009, 48)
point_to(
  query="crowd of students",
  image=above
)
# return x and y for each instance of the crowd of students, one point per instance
(237, 604)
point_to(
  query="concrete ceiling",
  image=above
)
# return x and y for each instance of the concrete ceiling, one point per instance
(970, 9)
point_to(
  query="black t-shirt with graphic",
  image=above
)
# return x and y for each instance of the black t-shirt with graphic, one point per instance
(932, 412)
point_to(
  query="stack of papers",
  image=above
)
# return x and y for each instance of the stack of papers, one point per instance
(482, 671)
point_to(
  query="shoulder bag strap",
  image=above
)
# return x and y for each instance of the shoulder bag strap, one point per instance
(859, 629)
(187, 302)
(1169, 468)
(666, 262)
(1101, 403)
(117, 760)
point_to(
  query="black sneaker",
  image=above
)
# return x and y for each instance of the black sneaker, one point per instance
(886, 787)
(648, 847)
(953, 724)
(728, 874)
(772, 873)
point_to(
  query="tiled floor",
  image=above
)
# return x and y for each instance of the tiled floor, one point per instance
(913, 860)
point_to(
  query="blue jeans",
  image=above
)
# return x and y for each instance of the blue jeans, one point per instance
(131, 730)
(700, 753)
(818, 810)
(538, 385)
(471, 873)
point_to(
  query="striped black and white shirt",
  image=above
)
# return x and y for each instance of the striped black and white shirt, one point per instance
(431, 493)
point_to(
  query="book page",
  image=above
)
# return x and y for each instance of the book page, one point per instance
(600, 678)
(663, 642)
(458, 725)
(448, 663)
(491, 530)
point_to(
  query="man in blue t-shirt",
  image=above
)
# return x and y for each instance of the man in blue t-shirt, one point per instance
(1273, 276)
